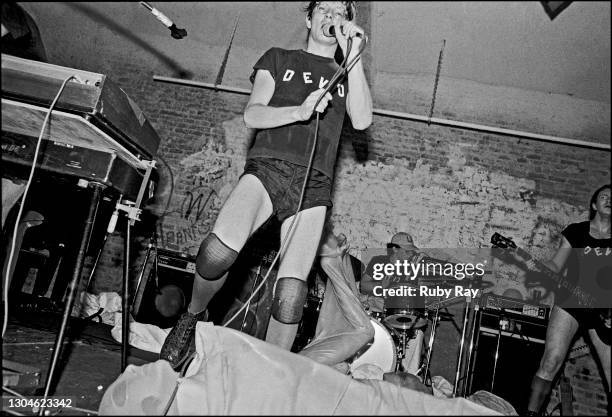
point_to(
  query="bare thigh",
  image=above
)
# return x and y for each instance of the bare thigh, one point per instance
(561, 330)
(245, 210)
(603, 352)
(303, 242)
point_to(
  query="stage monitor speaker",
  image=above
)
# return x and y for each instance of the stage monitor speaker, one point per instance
(167, 292)
(505, 362)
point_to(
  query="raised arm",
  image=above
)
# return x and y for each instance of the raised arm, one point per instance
(359, 99)
(259, 115)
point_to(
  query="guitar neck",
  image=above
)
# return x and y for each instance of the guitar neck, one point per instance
(565, 287)
(543, 268)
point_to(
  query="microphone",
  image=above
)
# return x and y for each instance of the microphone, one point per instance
(175, 32)
(329, 30)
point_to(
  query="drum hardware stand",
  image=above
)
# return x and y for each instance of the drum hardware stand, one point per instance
(460, 358)
(468, 377)
(401, 350)
(432, 336)
(468, 301)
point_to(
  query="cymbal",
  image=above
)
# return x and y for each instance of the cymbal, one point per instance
(405, 321)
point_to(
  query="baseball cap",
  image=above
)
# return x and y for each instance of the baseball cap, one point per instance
(403, 240)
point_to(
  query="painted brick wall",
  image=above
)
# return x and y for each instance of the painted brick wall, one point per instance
(448, 187)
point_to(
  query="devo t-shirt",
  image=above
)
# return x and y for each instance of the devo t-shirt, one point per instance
(590, 266)
(296, 74)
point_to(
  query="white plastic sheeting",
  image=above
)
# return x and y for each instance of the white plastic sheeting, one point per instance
(234, 373)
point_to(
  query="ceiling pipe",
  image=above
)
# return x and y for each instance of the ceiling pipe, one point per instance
(416, 117)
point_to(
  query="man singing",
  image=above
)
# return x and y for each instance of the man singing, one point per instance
(287, 85)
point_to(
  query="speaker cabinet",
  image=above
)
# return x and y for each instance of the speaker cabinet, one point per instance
(243, 278)
(506, 356)
(167, 292)
(245, 275)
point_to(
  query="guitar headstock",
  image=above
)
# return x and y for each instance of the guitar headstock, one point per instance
(502, 241)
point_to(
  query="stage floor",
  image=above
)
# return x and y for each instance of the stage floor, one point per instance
(89, 363)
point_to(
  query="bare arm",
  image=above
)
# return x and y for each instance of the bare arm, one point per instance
(359, 98)
(367, 284)
(258, 115)
(558, 261)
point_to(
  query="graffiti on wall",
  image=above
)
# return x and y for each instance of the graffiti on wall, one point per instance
(203, 182)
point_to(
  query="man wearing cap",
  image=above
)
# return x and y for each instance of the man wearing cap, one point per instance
(400, 248)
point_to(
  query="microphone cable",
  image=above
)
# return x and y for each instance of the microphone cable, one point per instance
(23, 200)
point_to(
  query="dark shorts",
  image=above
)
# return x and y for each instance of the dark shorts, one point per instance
(584, 316)
(283, 181)
(592, 318)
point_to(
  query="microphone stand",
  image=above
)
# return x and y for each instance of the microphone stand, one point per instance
(500, 323)
(432, 336)
(468, 303)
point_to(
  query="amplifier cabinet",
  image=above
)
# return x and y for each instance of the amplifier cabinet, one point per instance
(167, 292)
(507, 352)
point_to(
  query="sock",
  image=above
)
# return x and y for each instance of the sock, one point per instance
(281, 334)
(203, 291)
(540, 389)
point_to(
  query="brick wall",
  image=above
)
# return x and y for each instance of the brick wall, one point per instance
(448, 187)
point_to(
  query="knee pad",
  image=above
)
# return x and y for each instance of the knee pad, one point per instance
(289, 298)
(214, 258)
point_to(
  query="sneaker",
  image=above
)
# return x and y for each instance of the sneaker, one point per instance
(180, 342)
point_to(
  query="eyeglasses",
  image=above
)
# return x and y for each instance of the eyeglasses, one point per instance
(325, 9)
(393, 245)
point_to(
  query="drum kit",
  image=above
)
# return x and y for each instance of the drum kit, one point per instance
(398, 336)
(399, 339)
